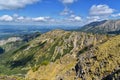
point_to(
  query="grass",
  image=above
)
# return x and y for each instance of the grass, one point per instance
(35, 68)
(45, 62)
(21, 48)
(42, 51)
(106, 59)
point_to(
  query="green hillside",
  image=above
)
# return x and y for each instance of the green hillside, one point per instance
(63, 55)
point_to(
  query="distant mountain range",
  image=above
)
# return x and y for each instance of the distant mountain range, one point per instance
(7, 31)
(105, 26)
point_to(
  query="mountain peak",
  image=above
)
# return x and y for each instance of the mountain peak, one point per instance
(105, 26)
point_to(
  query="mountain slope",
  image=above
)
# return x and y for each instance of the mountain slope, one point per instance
(102, 62)
(7, 48)
(46, 49)
(106, 26)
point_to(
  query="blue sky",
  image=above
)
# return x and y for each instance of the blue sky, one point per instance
(57, 12)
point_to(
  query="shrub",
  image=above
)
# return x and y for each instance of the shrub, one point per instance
(35, 68)
(45, 62)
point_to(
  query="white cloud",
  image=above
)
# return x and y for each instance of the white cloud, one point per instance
(101, 10)
(6, 18)
(15, 4)
(68, 1)
(72, 15)
(116, 15)
(92, 19)
(21, 18)
(17, 18)
(66, 11)
(15, 15)
(73, 18)
(41, 19)
(78, 18)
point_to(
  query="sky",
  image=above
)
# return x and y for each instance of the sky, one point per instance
(57, 12)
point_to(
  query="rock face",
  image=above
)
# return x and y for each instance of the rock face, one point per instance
(10, 40)
(106, 26)
(113, 76)
(101, 63)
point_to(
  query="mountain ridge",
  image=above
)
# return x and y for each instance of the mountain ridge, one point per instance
(105, 26)
(55, 54)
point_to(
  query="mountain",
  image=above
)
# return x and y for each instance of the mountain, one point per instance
(8, 46)
(16, 41)
(105, 26)
(47, 49)
(101, 62)
(64, 55)
(9, 40)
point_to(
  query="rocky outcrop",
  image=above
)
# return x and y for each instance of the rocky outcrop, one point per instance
(11, 39)
(115, 75)
(101, 62)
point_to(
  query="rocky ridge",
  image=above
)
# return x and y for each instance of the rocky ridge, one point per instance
(105, 26)
(65, 55)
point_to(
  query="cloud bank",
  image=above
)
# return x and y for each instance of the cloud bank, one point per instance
(101, 10)
(68, 1)
(6, 18)
(41, 20)
(10, 4)
(67, 17)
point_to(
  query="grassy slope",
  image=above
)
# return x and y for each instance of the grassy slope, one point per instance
(101, 61)
(49, 48)
(63, 66)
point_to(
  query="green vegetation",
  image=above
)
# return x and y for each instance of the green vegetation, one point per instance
(45, 62)
(101, 61)
(56, 48)
(21, 48)
(35, 68)
(86, 48)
